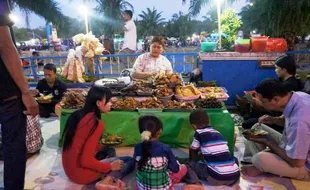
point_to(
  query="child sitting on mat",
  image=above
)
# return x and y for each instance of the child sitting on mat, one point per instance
(158, 168)
(218, 166)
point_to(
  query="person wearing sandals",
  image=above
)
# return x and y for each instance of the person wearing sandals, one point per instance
(82, 135)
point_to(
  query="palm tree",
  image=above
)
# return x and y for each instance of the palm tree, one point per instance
(196, 5)
(151, 22)
(112, 10)
(48, 9)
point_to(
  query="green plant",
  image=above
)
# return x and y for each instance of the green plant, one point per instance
(230, 25)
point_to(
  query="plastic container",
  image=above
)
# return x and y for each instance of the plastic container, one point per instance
(208, 46)
(242, 45)
(276, 45)
(259, 44)
(243, 41)
(242, 48)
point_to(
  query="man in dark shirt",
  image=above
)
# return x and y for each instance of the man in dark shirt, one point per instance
(50, 85)
(14, 98)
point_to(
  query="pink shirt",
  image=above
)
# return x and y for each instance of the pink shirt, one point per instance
(146, 63)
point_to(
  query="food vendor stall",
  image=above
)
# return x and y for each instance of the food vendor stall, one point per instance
(238, 72)
(172, 102)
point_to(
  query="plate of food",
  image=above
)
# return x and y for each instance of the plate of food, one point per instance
(187, 93)
(44, 97)
(171, 79)
(151, 103)
(112, 140)
(175, 106)
(209, 103)
(126, 104)
(255, 132)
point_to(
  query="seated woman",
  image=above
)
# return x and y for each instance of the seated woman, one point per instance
(286, 71)
(82, 135)
(150, 64)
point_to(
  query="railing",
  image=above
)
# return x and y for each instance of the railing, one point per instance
(110, 65)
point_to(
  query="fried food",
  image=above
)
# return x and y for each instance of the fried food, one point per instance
(126, 103)
(73, 100)
(255, 132)
(163, 91)
(208, 103)
(140, 86)
(47, 97)
(112, 139)
(187, 91)
(173, 78)
(179, 105)
(152, 103)
(211, 90)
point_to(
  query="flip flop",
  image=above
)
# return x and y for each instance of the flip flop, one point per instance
(193, 187)
(102, 186)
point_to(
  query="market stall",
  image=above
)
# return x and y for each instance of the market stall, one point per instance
(238, 72)
(168, 98)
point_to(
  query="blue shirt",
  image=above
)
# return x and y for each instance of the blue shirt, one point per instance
(154, 174)
(221, 164)
(296, 134)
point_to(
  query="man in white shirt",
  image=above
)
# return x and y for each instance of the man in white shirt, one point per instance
(130, 31)
(130, 35)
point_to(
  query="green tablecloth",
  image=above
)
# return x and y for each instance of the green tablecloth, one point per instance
(177, 129)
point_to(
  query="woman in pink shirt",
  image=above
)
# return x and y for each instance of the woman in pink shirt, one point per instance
(153, 63)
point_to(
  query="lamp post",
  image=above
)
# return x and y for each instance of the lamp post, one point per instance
(218, 3)
(84, 11)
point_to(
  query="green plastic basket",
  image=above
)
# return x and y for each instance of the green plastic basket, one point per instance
(208, 46)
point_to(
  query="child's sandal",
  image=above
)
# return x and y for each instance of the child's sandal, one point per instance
(193, 187)
(102, 186)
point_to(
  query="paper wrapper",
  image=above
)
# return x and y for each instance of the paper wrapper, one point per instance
(73, 71)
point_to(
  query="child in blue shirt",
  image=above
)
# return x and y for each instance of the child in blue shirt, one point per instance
(218, 166)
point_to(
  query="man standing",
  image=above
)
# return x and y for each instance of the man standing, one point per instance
(15, 96)
(288, 155)
(130, 31)
(130, 37)
(50, 85)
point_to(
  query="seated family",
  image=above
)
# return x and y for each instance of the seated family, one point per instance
(50, 85)
(287, 154)
(157, 166)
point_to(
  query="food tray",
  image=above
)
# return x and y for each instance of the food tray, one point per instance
(132, 94)
(224, 89)
(145, 93)
(165, 99)
(221, 99)
(187, 98)
(149, 110)
(140, 99)
(116, 93)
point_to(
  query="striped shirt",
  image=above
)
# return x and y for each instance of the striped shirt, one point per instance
(214, 148)
(154, 174)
